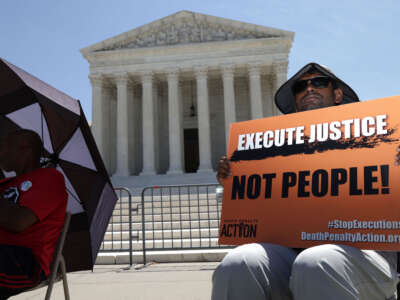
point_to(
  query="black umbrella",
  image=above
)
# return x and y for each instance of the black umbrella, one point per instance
(29, 103)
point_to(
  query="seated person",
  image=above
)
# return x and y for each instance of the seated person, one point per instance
(32, 213)
(263, 271)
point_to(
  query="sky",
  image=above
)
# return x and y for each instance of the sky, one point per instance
(358, 40)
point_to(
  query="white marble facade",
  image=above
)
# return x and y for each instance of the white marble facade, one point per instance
(164, 94)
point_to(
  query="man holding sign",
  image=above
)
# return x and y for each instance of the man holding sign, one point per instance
(328, 271)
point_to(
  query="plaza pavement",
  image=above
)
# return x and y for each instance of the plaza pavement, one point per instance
(177, 281)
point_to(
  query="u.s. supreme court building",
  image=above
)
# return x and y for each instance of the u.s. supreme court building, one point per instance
(164, 94)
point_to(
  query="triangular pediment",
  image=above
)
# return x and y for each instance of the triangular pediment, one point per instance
(187, 27)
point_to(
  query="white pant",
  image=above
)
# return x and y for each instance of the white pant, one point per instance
(327, 272)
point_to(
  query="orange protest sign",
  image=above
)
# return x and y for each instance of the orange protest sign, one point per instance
(315, 177)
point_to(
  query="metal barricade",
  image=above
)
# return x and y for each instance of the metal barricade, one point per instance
(180, 217)
(120, 234)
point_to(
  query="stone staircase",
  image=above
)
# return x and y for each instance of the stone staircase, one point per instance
(180, 225)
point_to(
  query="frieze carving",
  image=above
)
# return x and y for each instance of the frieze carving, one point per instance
(187, 32)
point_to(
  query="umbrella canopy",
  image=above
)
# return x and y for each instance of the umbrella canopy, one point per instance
(29, 103)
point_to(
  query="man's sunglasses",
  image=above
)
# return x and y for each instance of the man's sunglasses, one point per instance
(319, 82)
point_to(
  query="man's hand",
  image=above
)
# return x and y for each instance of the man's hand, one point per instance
(397, 159)
(223, 170)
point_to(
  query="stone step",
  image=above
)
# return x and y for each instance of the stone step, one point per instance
(139, 182)
(203, 255)
(183, 191)
(166, 201)
(163, 234)
(167, 210)
(123, 226)
(160, 244)
(176, 191)
(168, 217)
(167, 204)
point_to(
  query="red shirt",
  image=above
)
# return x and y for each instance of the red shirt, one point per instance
(43, 192)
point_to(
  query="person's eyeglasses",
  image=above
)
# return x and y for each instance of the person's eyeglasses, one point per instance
(319, 82)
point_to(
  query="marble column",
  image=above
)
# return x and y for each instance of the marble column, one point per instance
(256, 107)
(100, 117)
(268, 94)
(180, 111)
(148, 125)
(175, 124)
(124, 94)
(229, 98)
(203, 120)
(279, 78)
(135, 129)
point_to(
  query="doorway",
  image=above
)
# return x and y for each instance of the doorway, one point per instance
(191, 145)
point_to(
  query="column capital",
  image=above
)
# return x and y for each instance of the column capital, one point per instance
(121, 78)
(200, 71)
(146, 76)
(259, 68)
(280, 67)
(228, 70)
(96, 79)
(254, 69)
(172, 73)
